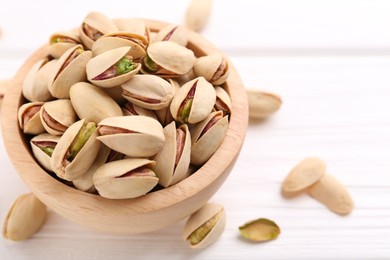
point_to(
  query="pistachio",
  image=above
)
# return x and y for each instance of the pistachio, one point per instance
(28, 117)
(125, 179)
(60, 42)
(262, 104)
(198, 14)
(260, 230)
(129, 109)
(214, 68)
(57, 116)
(25, 218)
(205, 226)
(136, 30)
(42, 147)
(223, 102)
(172, 32)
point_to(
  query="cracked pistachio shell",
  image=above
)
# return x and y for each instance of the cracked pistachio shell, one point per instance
(148, 91)
(207, 136)
(28, 117)
(57, 48)
(202, 102)
(214, 68)
(117, 40)
(260, 230)
(223, 101)
(84, 158)
(136, 136)
(98, 24)
(99, 64)
(26, 216)
(136, 28)
(173, 160)
(174, 59)
(125, 179)
(174, 33)
(66, 73)
(43, 140)
(92, 103)
(205, 226)
(35, 84)
(57, 116)
(130, 109)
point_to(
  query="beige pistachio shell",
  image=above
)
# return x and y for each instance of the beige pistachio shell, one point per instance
(136, 28)
(166, 169)
(203, 219)
(202, 102)
(174, 33)
(204, 145)
(35, 84)
(102, 62)
(136, 136)
(176, 59)
(148, 91)
(111, 181)
(100, 23)
(262, 104)
(129, 109)
(84, 158)
(62, 79)
(57, 116)
(56, 49)
(198, 14)
(214, 68)
(92, 103)
(42, 157)
(29, 120)
(164, 116)
(223, 101)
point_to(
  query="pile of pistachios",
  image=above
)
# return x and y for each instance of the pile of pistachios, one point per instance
(118, 110)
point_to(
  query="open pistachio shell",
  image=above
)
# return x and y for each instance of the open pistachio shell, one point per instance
(223, 102)
(125, 179)
(129, 109)
(69, 69)
(57, 116)
(92, 103)
(205, 226)
(259, 230)
(207, 136)
(28, 117)
(136, 28)
(173, 160)
(109, 61)
(148, 91)
(174, 33)
(75, 151)
(136, 136)
(94, 26)
(60, 42)
(214, 68)
(194, 101)
(42, 147)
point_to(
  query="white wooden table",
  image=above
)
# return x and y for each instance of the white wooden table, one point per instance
(330, 62)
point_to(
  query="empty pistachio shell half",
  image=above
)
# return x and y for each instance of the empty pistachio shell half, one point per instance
(205, 226)
(42, 147)
(92, 103)
(148, 91)
(193, 102)
(333, 194)
(129, 109)
(262, 104)
(75, 151)
(28, 117)
(173, 160)
(174, 33)
(125, 179)
(57, 116)
(69, 69)
(223, 102)
(198, 14)
(214, 68)
(60, 42)
(136, 136)
(260, 230)
(207, 136)
(25, 218)
(111, 68)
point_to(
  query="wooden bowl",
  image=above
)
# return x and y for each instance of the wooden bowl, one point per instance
(151, 212)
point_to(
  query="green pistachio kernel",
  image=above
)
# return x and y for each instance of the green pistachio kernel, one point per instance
(124, 65)
(201, 232)
(82, 137)
(150, 64)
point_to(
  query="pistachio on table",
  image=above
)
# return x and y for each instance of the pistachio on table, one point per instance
(260, 230)
(262, 104)
(42, 147)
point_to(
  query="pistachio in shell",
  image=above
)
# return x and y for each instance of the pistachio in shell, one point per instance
(75, 151)
(125, 179)
(194, 101)
(129, 109)
(135, 28)
(136, 136)
(92, 103)
(60, 42)
(57, 116)
(260, 230)
(28, 117)
(214, 68)
(262, 104)
(172, 32)
(205, 226)
(111, 68)
(223, 102)
(173, 160)
(198, 14)
(42, 147)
